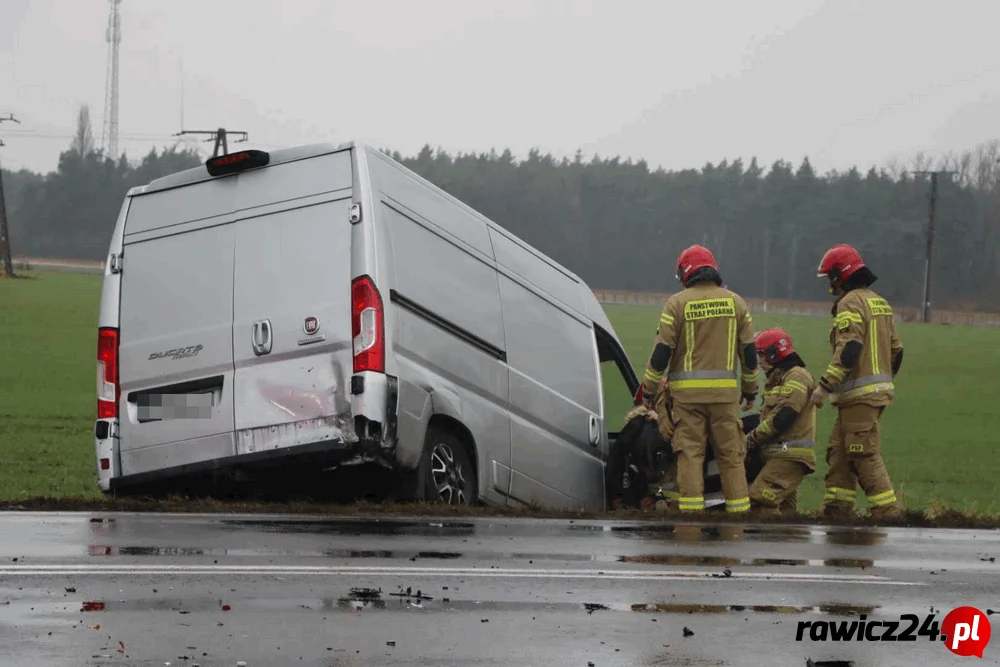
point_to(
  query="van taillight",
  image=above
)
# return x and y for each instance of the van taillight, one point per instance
(107, 373)
(367, 326)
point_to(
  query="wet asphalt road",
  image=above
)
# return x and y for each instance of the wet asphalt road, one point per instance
(213, 590)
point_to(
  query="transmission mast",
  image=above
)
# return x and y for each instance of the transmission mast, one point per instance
(109, 133)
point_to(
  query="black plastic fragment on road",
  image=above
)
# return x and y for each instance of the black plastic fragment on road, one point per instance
(829, 663)
(365, 594)
(688, 631)
(591, 607)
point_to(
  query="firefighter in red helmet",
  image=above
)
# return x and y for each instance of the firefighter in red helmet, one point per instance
(703, 331)
(786, 433)
(867, 355)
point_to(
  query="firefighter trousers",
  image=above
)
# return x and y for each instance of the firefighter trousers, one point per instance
(696, 424)
(776, 488)
(854, 458)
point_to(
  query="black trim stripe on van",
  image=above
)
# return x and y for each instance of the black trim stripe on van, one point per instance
(449, 326)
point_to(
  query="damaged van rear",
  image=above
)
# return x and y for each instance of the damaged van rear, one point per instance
(326, 304)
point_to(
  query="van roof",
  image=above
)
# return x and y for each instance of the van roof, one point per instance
(278, 156)
(199, 173)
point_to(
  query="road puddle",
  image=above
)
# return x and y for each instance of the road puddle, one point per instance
(826, 609)
(677, 560)
(357, 528)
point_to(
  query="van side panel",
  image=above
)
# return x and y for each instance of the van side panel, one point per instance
(176, 357)
(554, 389)
(293, 271)
(538, 271)
(449, 341)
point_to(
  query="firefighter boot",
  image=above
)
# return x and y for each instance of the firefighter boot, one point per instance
(791, 504)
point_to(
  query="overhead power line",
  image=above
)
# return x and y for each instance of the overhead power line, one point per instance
(30, 134)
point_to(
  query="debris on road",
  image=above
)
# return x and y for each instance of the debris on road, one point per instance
(92, 606)
(71, 589)
(688, 631)
(366, 593)
(408, 593)
(591, 607)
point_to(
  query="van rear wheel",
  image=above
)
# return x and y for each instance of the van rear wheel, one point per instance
(449, 476)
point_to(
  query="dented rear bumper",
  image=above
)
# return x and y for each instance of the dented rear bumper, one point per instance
(351, 438)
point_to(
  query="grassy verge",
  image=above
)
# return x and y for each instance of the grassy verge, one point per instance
(938, 436)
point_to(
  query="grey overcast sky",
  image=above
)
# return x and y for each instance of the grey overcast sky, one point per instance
(677, 83)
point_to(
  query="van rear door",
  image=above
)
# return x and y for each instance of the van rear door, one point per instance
(176, 355)
(292, 326)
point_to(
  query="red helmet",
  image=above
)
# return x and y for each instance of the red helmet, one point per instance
(694, 258)
(839, 263)
(773, 344)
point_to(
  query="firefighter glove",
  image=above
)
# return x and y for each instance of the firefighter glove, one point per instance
(819, 395)
(647, 399)
(748, 399)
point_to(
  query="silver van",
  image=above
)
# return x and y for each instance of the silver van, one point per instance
(324, 301)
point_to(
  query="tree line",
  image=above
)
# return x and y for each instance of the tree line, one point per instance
(620, 224)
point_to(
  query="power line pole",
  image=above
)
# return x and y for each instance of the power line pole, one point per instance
(219, 136)
(930, 237)
(8, 264)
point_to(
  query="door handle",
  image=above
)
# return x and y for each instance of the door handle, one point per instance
(266, 327)
(595, 433)
(261, 337)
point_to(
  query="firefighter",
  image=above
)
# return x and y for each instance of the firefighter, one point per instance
(867, 354)
(661, 490)
(702, 332)
(785, 435)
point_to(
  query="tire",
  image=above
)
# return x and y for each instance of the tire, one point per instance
(449, 476)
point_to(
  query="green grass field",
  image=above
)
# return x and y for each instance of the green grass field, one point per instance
(939, 436)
